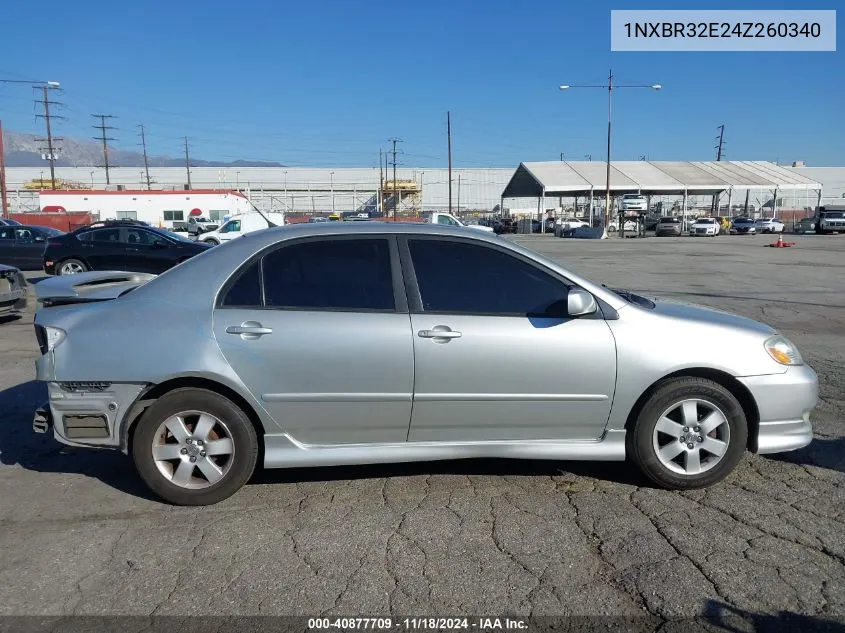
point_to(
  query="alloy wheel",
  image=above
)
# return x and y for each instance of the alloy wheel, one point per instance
(691, 436)
(193, 449)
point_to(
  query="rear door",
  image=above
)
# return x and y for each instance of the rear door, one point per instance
(489, 366)
(101, 249)
(318, 330)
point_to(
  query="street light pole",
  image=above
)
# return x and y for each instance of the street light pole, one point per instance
(610, 86)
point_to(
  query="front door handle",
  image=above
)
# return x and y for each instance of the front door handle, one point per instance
(249, 330)
(131, 250)
(439, 333)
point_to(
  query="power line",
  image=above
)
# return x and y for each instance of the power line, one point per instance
(146, 161)
(105, 139)
(50, 153)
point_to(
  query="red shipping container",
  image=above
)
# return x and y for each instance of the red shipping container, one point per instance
(67, 221)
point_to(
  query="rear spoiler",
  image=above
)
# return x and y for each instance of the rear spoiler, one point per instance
(88, 287)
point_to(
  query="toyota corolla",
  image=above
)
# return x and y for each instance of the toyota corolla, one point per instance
(328, 344)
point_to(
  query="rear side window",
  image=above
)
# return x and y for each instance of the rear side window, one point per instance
(330, 275)
(245, 292)
(101, 235)
(457, 277)
(318, 275)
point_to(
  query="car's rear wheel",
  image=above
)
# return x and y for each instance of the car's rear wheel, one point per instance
(691, 433)
(194, 447)
(71, 267)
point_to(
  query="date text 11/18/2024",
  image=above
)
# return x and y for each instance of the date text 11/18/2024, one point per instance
(417, 624)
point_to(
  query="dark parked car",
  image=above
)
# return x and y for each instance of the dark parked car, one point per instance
(118, 245)
(9, 222)
(21, 245)
(743, 226)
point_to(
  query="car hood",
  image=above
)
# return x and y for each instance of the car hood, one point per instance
(88, 287)
(708, 316)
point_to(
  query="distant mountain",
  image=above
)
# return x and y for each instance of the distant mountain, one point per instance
(23, 150)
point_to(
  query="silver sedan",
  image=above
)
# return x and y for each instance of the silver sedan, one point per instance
(336, 343)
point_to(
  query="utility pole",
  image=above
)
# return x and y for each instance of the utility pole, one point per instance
(719, 149)
(721, 144)
(380, 207)
(449, 137)
(105, 138)
(3, 200)
(187, 162)
(396, 194)
(51, 154)
(146, 161)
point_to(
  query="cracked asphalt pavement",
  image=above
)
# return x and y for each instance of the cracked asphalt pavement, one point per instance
(79, 534)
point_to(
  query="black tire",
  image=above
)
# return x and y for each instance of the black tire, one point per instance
(641, 438)
(241, 430)
(71, 262)
(211, 241)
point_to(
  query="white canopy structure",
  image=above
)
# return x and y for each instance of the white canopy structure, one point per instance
(583, 178)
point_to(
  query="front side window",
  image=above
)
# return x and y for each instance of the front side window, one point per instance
(143, 238)
(232, 226)
(462, 278)
(330, 275)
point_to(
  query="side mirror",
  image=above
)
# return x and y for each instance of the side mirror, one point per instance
(579, 302)
(39, 238)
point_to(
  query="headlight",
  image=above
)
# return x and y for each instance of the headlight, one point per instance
(54, 336)
(783, 351)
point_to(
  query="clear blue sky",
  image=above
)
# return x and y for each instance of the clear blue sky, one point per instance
(328, 82)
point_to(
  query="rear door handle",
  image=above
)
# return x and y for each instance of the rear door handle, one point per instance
(249, 330)
(438, 334)
(132, 250)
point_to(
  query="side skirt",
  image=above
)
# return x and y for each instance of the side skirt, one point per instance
(283, 451)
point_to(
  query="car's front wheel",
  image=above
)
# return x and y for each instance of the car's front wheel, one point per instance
(211, 240)
(194, 447)
(691, 433)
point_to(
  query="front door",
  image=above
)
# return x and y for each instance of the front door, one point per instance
(489, 365)
(147, 252)
(29, 247)
(318, 331)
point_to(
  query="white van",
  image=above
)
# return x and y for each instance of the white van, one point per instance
(242, 224)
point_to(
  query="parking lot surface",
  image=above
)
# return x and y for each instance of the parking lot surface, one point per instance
(79, 534)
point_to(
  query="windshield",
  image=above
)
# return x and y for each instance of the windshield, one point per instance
(669, 221)
(705, 221)
(833, 214)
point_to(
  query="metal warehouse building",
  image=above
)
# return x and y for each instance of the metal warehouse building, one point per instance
(323, 190)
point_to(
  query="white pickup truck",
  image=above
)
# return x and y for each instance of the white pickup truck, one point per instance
(451, 220)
